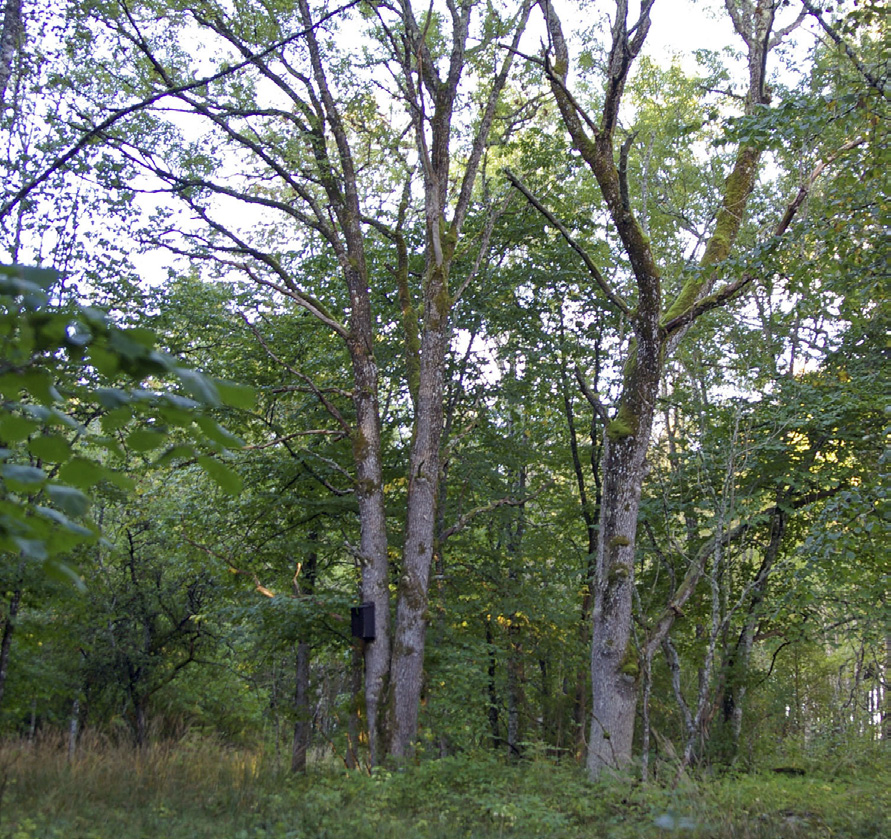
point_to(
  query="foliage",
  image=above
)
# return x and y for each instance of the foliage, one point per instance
(220, 566)
(78, 390)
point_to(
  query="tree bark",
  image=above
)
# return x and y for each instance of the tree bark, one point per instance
(12, 612)
(10, 43)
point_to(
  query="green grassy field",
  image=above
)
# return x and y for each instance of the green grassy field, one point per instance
(192, 791)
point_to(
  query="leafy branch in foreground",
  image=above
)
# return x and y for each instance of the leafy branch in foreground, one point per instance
(78, 391)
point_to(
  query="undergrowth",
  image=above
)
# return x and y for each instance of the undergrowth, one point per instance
(198, 789)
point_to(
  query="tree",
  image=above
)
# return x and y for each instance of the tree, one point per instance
(659, 319)
(309, 174)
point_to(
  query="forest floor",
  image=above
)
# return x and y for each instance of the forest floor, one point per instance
(196, 790)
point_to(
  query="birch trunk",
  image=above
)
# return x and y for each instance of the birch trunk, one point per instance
(10, 43)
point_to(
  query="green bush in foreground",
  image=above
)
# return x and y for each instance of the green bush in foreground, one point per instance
(197, 790)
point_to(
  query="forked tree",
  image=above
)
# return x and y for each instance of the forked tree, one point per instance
(658, 322)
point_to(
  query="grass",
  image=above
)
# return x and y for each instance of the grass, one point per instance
(198, 789)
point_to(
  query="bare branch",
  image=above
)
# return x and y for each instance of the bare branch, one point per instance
(329, 406)
(339, 435)
(482, 134)
(794, 205)
(601, 281)
(491, 220)
(464, 520)
(592, 397)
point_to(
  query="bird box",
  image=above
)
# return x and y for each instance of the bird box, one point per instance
(362, 621)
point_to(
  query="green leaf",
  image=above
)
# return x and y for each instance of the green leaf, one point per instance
(14, 427)
(57, 570)
(200, 387)
(116, 419)
(39, 383)
(214, 431)
(42, 278)
(28, 477)
(31, 548)
(145, 440)
(83, 473)
(227, 479)
(64, 521)
(236, 395)
(52, 447)
(112, 397)
(174, 453)
(68, 499)
(105, 361)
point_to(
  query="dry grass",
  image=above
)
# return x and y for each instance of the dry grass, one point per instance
(198, 788)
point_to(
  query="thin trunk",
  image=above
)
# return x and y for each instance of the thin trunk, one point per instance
(492, 688)
(590, 513)
(738, 665)
(353, 729)
(515, 674)
(10, 43)
(73, 727)
(886, 691)
(303, 721)
(645, 716)
(32, 725)
(304, 585)
(12, 612)
(514, 691)
(140, 728)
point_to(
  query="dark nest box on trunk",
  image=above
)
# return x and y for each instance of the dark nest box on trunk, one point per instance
(362, 621)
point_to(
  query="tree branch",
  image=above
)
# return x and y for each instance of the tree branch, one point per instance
(601, 281)
(116, 116)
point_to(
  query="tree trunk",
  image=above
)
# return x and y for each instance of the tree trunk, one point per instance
(515, 682)
(140, 724)
(372, 515)
(6, 643)
(492, 687)
(303, 721)
(10, 43)
(886, 691)
(304, 584)
(73, 727)
(407, 665)
(737, 668)
(614, 659)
